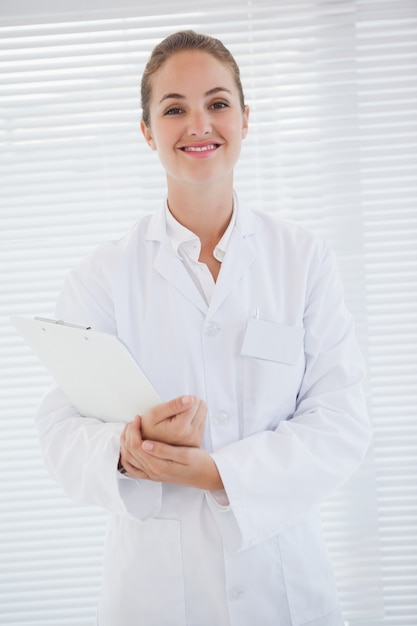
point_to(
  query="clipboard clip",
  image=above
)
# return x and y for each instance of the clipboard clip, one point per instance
(62, 323)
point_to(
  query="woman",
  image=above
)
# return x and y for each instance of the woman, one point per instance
(238, 320)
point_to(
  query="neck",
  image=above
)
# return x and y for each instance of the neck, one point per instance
(205, 211)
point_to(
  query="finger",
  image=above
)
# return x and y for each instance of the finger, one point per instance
(171, 408)
(166, 452)
(200, 410)
(124, 434)
(131, 440)
(180, 404)
(136, 424)
(139, 462)
(134, 471)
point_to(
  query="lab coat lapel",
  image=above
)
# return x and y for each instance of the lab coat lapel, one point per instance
(168, 264)
(240, 254)
(172, 269)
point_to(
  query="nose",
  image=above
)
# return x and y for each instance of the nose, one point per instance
(199, 123)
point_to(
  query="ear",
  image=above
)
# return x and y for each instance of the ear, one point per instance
(147, 133)
(245, 124)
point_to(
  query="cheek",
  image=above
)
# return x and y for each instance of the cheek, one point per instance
(235, 130)
(165, 137)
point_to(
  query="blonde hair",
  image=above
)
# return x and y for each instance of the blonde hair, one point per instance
(178, 42)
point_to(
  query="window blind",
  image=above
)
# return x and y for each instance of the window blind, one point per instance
(387, 91)
(332, 145)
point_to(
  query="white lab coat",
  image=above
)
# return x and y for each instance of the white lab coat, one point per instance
(286, 426)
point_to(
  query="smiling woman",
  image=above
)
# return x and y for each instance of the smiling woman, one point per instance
(331, 146)
(263, 414)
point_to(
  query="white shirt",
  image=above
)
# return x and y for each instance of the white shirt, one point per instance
(187, 247)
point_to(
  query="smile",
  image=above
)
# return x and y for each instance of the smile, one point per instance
(206, 148)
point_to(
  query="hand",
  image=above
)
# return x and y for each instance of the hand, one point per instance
(179, 422)
(131, 449)
(161, 462)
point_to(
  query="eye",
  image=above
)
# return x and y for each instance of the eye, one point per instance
(219, 105)
(173, 111)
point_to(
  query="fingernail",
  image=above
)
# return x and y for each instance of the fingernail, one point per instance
(186, 399)
(147, 445)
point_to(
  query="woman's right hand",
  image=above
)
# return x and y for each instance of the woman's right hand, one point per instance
(179, 422)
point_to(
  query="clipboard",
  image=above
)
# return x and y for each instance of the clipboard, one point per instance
(95, 370)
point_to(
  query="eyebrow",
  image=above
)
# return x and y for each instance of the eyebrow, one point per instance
(178, 96)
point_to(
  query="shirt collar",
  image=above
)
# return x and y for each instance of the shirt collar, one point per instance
(247, 222)
(184, 240)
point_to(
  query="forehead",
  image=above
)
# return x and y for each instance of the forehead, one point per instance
(190, 71)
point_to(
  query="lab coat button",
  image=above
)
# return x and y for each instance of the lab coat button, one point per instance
(210, 328)
(220, 417)
(235, 593)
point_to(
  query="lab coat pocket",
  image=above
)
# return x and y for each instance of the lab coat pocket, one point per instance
(143, 573)
(272, 371)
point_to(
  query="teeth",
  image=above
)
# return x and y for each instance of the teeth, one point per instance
(199, 148)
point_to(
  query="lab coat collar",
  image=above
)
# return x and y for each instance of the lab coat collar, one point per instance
(247, 223)
(240, 255)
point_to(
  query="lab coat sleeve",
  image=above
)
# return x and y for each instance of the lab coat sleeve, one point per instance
(273, 478)
(82, 453)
